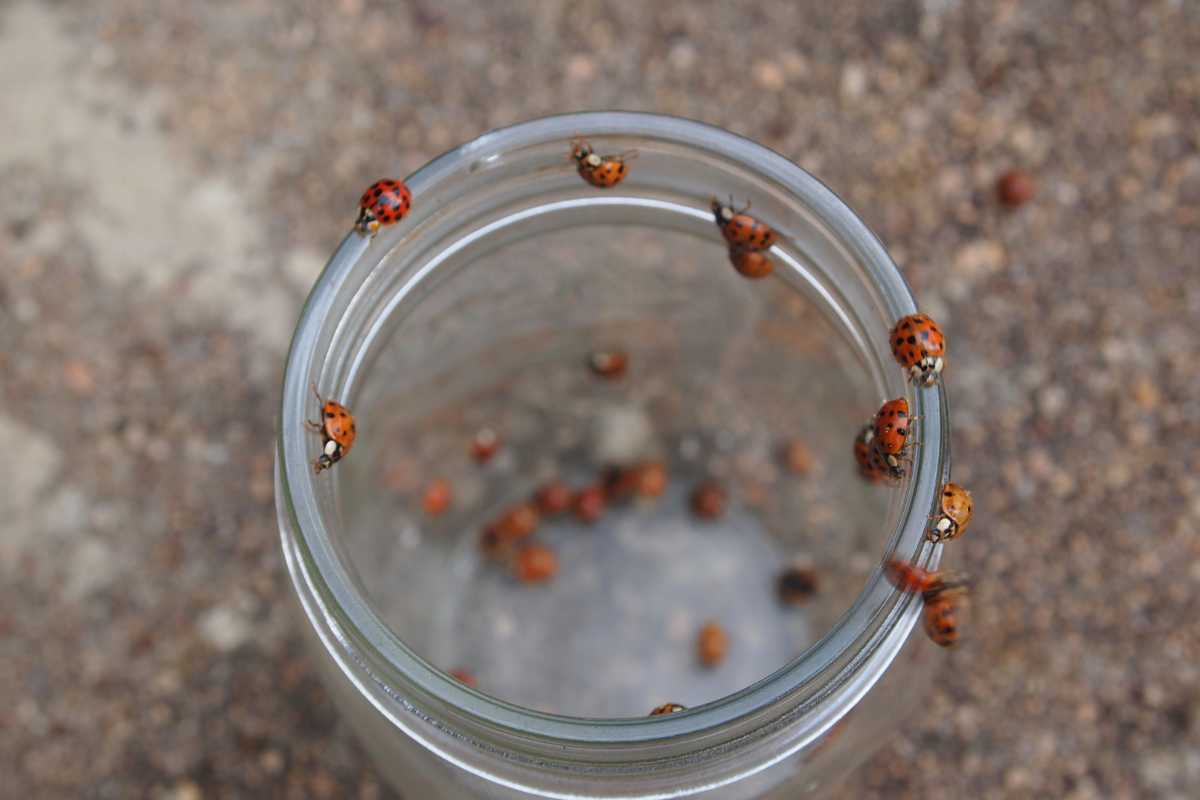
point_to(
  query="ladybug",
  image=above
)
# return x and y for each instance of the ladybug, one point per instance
(712, 643)
(920, 347)
(909, 577)
(943, 612)
(667, 708)
(462, 676)
(892, 425)
(535, 563)
(385, 202)
(956, 508)
(742, 231)
(337, 432)
(870, 464)
(600, 171)
(610, 364)
(750, 263)
(945, 598)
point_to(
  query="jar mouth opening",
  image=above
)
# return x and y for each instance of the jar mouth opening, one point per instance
(849, 658)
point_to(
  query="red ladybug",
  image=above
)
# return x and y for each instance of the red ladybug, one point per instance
(892, 425)
(920, 347)
(870, 464)
(385, 202)
(945, 598)
(742, 231)
(751, 263)
(600, 171)
(337, 432)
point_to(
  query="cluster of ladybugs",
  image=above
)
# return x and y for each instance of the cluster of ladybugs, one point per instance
(882, 450)
(882, 447)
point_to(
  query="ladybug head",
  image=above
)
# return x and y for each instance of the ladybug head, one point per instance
(330, 455)
(367, 223)
(721, 212)
(581, 150)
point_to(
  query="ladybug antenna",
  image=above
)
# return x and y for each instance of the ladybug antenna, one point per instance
(628, 155)
(320, 400)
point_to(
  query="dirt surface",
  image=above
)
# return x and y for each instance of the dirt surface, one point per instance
(175, 174)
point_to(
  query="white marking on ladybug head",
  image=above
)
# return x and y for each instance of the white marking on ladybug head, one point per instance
(593, 160)
(944, 524)
(892, 461)
(938, 364)
(331, 447)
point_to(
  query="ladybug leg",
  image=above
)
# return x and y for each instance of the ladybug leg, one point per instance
(315, 427)
(628, 155)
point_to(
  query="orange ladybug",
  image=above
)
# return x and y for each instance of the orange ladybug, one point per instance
(945, 598)
(603, 172)
(956, 508)
(337, 432)
(944, 609)
(751, 263)
(920, 347)
(891, 443)
(610, 364)
(535, 563)
(462, 676)
(667, 708)
(385, 202)
(742, 231)
(870, 464)
(909, 577)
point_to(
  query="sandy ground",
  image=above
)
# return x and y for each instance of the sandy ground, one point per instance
(174, 176)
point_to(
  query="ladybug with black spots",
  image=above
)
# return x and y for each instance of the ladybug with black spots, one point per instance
(871, 465)
(920, 347)
(951, 522)
(892, 427)
(337, 432)
(385, 202)
(751, 263)
(742, 231)
(603, 172)
(944, 596)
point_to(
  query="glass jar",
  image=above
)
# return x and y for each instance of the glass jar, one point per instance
(479, 310)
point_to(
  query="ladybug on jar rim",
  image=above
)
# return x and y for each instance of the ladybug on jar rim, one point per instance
(385, 202)
(892, 426)
(956, 509)
(871, 465)
(742, 231)
(603, 172)
(751, 263)
(942, 618)
(667, 708)
(920, 347)
(944, 596)
(337, 430)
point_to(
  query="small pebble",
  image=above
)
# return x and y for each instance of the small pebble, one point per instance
(437, 498)
(798, 457)
(712, 644)
(708, 500)
(535, 563)
(1015, 188)
(484, 445)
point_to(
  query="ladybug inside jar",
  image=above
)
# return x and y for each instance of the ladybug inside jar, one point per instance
(920, 347)
(385, 202)
(337, 430)
(891, 442)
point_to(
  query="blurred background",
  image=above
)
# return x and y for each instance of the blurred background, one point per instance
(175, 176)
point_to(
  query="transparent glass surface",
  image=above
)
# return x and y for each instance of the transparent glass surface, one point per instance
(480, 310)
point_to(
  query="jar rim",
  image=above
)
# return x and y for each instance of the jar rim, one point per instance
(858, 648)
